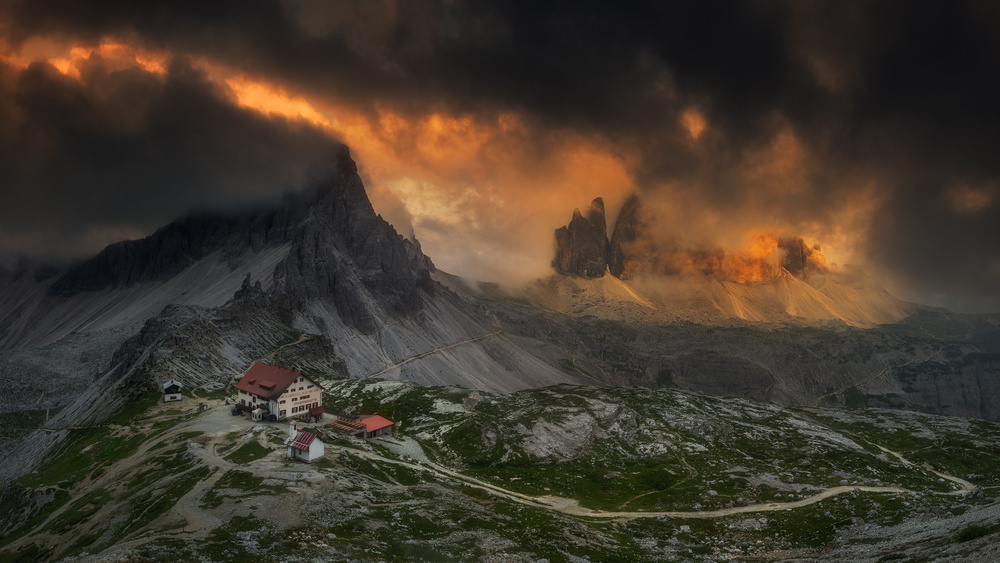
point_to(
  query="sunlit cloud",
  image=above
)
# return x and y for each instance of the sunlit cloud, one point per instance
(800, 124)
(70, 59)
(270, 100)
(694, 122)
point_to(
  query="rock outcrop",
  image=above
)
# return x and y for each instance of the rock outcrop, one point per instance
(628, 228)
(582, 246)
(797, 258)
(346, 254)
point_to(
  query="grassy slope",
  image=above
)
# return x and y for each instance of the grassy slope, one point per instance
(615, 449)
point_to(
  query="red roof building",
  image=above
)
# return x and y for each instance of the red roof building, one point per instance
(368, 426)
(282, 392)
(304, 446)
(303, 440)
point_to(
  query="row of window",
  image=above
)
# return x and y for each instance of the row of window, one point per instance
(294, 399)
(303, 408)
(296, 409)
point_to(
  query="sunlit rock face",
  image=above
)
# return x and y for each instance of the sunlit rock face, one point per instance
(582, 246)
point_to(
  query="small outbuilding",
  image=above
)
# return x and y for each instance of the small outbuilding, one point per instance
(304, 446)
(365, 426)
(171, 391)
(316, 413)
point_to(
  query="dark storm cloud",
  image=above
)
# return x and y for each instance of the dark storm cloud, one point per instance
(123, 152)
(590, 64)
(898, 95)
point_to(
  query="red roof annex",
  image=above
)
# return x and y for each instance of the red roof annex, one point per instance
(375, 422)
(368, 424)
(267, 381)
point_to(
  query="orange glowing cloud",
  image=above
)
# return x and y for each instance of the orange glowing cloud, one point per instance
(70, 59)
(485, 192)
(694, 122)
(482, 193)
(270, 100)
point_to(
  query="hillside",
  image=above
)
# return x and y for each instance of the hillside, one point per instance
(931, 361)
(320, 262)
(572, 472)
(849, 298)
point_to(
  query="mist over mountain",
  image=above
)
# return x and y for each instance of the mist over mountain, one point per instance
(322, 262)
(320, 283)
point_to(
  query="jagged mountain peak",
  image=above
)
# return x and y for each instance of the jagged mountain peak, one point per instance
(582, 246)
(628, 227)
(339, 251)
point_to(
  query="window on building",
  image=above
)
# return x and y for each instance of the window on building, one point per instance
(282, 413)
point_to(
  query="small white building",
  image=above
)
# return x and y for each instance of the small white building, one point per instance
(304, 446)
(171, 391)
(279, 391)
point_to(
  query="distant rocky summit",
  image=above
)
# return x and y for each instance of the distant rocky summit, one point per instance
(582, 246)
(628, 228)
(583, 249)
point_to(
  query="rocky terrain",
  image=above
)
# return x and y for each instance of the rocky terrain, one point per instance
(933, 361)
(574, 473)
(644, 464)
(322, 262)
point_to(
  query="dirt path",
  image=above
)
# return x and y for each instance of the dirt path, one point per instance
(432, 351)
(966, 486)
(302, 338)
(872, 378)
(572, 507)
(215, 421)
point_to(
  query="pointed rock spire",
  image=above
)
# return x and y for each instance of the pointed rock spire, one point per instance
(582, 246)
(627, 229)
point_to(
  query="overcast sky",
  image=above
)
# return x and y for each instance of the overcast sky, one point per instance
(870, 128)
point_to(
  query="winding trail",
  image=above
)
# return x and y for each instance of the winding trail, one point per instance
(432, 351)
(572, 507)
(302, 338)
(966, 486)
(872, 378)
